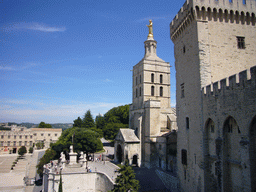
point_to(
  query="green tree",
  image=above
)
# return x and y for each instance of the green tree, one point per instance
(40, 145)
(88, 121)
(49, 155)
(115, 118)
(111, 130)
(78, 122)
(126, 181)
(118, 114)
(44, 125)
(85, 140)
(100, 121)
(60, 185)
(30, 150)
(22, 150)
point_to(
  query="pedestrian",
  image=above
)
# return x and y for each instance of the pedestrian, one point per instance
(95, 169)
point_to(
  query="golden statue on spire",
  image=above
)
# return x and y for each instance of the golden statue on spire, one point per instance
(150, 29)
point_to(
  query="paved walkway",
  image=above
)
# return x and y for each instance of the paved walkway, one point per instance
(12, 180)
(108, 168)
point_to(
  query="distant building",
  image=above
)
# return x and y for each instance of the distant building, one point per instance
(151, 117)
(215, 54)
(11, 141)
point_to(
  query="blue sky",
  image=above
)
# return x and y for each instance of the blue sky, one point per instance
(60, 58)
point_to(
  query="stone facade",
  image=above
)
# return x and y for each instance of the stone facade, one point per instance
(151, 116)
(11, 141)
(214, 41)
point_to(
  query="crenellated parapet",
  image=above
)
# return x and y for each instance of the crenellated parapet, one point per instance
(184, 17)
(232, 11)
(243, 80)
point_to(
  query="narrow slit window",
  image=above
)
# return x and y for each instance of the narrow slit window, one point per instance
(187, 122)
(184, 156)
(152, 91)
(182, 90)
(161, 91)
(161, 78)
(152, 78)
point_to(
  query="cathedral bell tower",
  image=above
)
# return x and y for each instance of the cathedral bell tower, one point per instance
(151, 98)
(151, 76)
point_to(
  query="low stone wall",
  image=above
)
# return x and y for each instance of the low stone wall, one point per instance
(170, 182)
(77, 182)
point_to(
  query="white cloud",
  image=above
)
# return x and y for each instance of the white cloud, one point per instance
(45, 28)
(37, 111)
(32, 26)
(7, 68)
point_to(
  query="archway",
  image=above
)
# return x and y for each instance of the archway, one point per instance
(119, 153)
(135, 160)
(211, 176)
(252, 153)
(232, 171)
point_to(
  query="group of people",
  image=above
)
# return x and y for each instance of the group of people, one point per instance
(88, 169)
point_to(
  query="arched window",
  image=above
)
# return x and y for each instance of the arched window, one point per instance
(140, 91)
(140, 78)
(252, 149)
(152, 90)
(161, 78)
(136, 92)
(152, 77)
(136, 81)
(161, 91)
(230, 146)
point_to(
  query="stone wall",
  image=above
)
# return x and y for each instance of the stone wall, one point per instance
(77, 182)
(229, 108)
(205, 36)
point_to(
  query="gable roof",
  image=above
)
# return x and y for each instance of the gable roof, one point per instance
(127, 135)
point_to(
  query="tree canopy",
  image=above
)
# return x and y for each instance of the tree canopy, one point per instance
(100, 121)
(88, 121)
(78, 122)
(48, 156)
(44, 125)
(22, 150)
(115, 118)
(118, 114)
(126, 181)
(85, 140)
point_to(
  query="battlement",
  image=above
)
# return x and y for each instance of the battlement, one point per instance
(218, 10)
(238, 81)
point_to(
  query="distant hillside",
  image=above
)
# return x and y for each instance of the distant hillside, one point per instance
(33, 125)
(62, 125)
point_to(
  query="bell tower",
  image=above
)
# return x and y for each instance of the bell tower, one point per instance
(151, 99)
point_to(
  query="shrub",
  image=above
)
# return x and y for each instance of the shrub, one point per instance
(30, 150)
(22, 150)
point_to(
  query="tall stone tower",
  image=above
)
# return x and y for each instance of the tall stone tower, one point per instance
(213, 39)
(150, 112)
